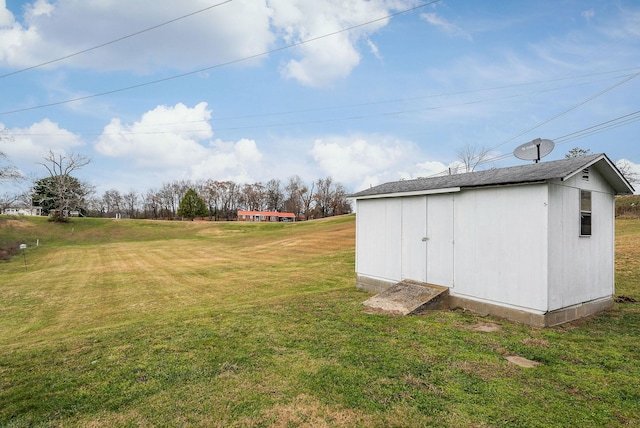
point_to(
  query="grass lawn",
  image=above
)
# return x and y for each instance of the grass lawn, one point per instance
(149, 323)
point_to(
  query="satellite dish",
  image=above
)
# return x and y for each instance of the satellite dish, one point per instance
(534, 150)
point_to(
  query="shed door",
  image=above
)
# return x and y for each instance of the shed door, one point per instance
(414, 229)
(427, 239)
(440, 240)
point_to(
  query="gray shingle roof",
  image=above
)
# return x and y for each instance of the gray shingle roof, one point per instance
(530, 173)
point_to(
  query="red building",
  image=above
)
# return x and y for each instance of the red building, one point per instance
(265, 216)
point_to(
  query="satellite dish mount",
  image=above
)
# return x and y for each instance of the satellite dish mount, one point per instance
(534, 150)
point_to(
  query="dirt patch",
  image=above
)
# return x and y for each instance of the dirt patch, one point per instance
(306, 411)
(541, 343)
(486, 327)
(16, 224)
(9, 250)
(483, 369)
(521, 361)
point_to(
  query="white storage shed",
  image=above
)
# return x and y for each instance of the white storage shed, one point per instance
(532, 243)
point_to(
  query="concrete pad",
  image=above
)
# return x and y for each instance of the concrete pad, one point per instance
(408, 297)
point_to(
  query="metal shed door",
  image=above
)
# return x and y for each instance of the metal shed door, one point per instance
(427, 239)
(414, 229)
(440, 240)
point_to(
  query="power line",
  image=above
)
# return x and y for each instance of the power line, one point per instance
(582, 133)
(423, 97)
(137, 33)
(581, 103)
(538, 125)
(190, 73)
(328, 120)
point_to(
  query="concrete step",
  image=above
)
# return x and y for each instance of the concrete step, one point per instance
(408, 297)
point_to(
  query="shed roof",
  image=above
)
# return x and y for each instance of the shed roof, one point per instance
(522, 174)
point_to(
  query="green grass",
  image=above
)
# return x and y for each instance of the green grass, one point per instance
(129, 323)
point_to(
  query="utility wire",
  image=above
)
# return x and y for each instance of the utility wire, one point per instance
(235, 61)
(581, 103)
(137, 33)
(316, 121)
(423, 97)
(582, 133)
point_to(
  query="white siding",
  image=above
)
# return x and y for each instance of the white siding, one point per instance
(517, 246)
(378, 238)
(500, 245)
(580, 267)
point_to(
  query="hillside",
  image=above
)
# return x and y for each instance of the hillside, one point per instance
(628, 206)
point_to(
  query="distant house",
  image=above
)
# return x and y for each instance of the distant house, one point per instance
(30, 211)
(265, 216)
(532, 243)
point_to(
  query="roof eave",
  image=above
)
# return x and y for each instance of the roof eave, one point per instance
(412, 193)
(618, 182)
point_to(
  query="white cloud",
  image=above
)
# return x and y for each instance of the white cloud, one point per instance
(229, 32)
(359, 162)
(446, 26)
(176, 142)
(374, 49)
(588, 14)
(229, 161)
(51, 30)
(323, 61)
(163, 137)
(6, 17)
(33, 143)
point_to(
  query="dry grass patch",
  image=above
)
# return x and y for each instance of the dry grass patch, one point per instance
(307, 411)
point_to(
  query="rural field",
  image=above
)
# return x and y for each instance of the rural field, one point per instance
(151, 323)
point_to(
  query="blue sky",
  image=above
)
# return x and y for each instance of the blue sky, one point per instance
(362, 91)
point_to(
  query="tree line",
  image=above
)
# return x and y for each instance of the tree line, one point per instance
(321, 198)
(61, 195)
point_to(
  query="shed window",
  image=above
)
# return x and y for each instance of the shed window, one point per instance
(585, 213)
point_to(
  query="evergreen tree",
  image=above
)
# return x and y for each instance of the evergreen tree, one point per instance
(192, 206)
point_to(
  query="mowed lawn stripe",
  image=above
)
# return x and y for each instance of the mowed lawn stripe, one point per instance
(72, 288)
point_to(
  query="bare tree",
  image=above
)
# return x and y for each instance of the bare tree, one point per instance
(292, 202)
(130, 201)
(152, 204)
(577, 152)
(66, 192)
(626, 169)
(340, 204)
(113, 201)
(273, 195)
(306, 195)
(471, 156)
(323, 197)
(7, 172)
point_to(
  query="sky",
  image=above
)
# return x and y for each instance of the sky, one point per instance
(362, 91)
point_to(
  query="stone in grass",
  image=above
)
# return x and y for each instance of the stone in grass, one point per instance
(521, 361)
